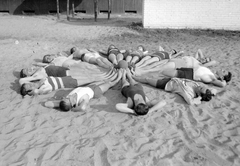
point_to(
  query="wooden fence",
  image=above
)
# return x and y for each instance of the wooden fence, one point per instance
(84, 6)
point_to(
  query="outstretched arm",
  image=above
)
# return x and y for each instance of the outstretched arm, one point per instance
(52, 104)
(156, 105)
(123, 107)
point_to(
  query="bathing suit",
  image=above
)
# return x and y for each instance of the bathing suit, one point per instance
(183, 87)
(61, 82)
(161, 55)
(97, 91)
(81, 91)
(56, 71)
(132, 90)
(114, 51)
(59, 60)
(87, 56)
(161, 83)
(186, 73)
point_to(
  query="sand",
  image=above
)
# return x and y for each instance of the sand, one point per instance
(176, 135)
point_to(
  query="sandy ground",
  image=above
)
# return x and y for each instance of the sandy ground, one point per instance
(176, 135)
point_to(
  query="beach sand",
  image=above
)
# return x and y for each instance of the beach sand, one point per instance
(176, 135)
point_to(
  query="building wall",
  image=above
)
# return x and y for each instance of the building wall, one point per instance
(212, 14)
(85, 6)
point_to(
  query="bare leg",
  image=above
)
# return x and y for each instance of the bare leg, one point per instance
(129, 76)
(120, 57)
(124, 79)
(139, 64)
(129, 58)
(103, 62)
(135, 59)
(160, 48)
(105, 86)
(113, 58)
(149, 62)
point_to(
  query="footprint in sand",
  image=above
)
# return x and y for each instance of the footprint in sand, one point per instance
(232, 132)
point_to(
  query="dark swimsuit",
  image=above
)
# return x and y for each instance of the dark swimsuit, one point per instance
(162, 83)
(56, 71)
(185, 73)
(132, 90)
(62, 82)
(161, 55)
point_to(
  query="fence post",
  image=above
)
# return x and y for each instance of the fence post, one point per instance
(95, 9)
(109, 8)
(67, 9)
(58, 17)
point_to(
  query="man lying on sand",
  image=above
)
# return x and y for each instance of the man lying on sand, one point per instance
(79, 98)
(186, 67)
(191, 91)
(137, 102)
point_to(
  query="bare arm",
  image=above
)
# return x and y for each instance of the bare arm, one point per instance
(156, 105)
(213, 80)
(123, 107)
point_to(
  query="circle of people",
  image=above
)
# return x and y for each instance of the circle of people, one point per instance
(175, 72)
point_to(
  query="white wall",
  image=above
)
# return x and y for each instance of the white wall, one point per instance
(212, 14)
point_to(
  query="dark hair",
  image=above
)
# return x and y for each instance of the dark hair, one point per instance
(45, 58)
(207, 96)
(144, 49)
(228, 77)
(64, 106)
(72, 50)
(141, 109)
(23, 90)
(22, 74)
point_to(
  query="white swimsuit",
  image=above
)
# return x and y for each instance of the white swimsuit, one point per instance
(200, 72)
(81, 91)
(59, 61)
(183, 87)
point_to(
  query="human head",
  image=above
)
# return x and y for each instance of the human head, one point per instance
(65, 105)
(207, 95)
(111, 46)
(28, 71)
(72, 50)
(48, 58)
(23, 73)
(141, 48)
(224, 75)
(141, 109)
(27, 88)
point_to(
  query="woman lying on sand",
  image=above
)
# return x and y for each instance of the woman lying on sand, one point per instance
(38, 73)
(137, 102)
(191, 91)
(91, 56)
(187, 67)
(134, 56)
(60, 59)
(114, 54)
(162, 55)
(50, 84)
(79, 98)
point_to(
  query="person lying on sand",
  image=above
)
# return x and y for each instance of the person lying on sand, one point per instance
(205, 61)
(114, 55)
(60, 59)
(79, 98)
(134, 56)
(191, 91)
(137, 102)
(187, 67)
(49, 84)
(91, 56)
(34, 73)
(156, 56)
